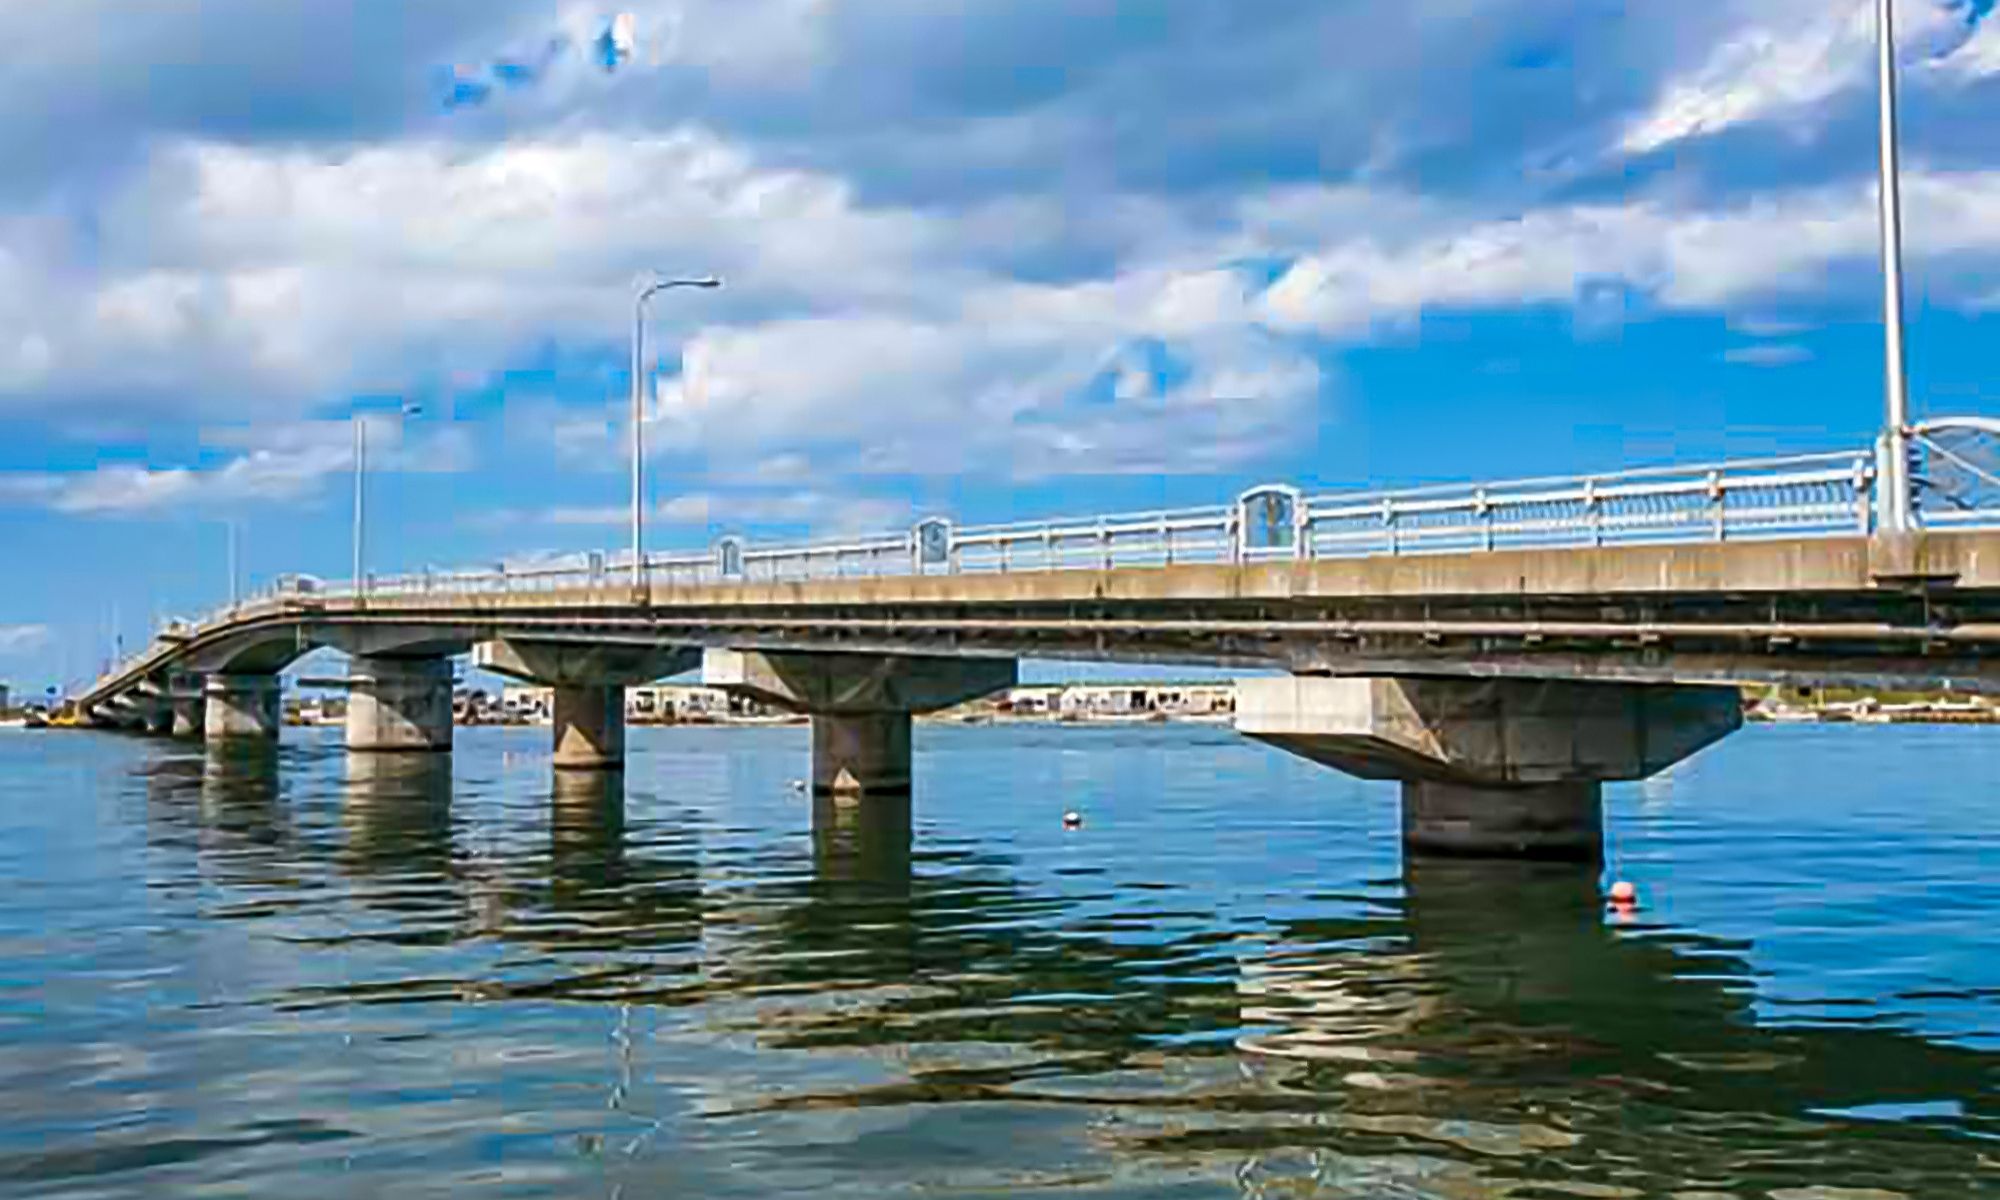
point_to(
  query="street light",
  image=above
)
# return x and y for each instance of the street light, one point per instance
(361, 493)
(646, 293)
(1894, 511)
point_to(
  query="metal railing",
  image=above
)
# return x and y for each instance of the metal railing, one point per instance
(1801, 496)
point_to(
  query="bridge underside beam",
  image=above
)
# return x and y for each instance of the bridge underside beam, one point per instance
(1500, 767)
(862, 705)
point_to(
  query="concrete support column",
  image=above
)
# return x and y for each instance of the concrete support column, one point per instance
(861, 754)
(589, 723)
(1507, 768)
(190, 716)
(242, 708)
(399, 705)
(1553, 821)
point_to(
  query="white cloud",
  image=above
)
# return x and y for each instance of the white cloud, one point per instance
(1977, 58)
(238, 279)
(244, 278)
(824, 514)
(276, 463)
(1796, 56)
(1780, 354)
(1762, 71)
(821, 512)
(23, 639)
(1788, 245)
(1005, 383)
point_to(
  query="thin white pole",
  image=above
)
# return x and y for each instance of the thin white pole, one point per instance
(639, 440)
(234, 575)
(360, 493)
(1896, 502)
(639, 415)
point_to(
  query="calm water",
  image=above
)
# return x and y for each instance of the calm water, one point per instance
(237, 980)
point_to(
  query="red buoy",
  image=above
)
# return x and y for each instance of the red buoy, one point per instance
(1623, 894)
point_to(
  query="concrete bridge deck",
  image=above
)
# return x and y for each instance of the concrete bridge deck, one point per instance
(1503, 650)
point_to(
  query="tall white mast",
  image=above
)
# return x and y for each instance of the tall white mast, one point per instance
(1894, 511)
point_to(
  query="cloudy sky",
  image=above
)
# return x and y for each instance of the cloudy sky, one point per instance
(998, 258)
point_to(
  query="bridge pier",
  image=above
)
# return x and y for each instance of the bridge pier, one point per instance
(862, 754)
(589, 683)
(862, 705)
(399, 705)
(188, 705)
(589, 720)
(242, 708)
(1505, 768)
(1562, 821)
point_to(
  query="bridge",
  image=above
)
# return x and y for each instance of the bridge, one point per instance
(1502, 649)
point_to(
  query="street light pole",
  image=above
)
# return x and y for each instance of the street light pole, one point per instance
(639, 415)
(361, 495)
(360, 500)
(1894, 511)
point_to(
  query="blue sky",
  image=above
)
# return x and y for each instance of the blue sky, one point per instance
(997, 258)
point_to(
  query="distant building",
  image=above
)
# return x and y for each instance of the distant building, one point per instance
(667, 702)
(1084, 702)
(526, 703)
(3, 698)
(656, 704)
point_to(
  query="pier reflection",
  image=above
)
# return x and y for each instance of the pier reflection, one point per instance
(396, 813)
(227, 804)
(1470, 1029)
(606, 891)
(586, 841)
(1501, 995)
(866, 845)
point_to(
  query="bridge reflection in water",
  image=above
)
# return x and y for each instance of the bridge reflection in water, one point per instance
(1471, 1029)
